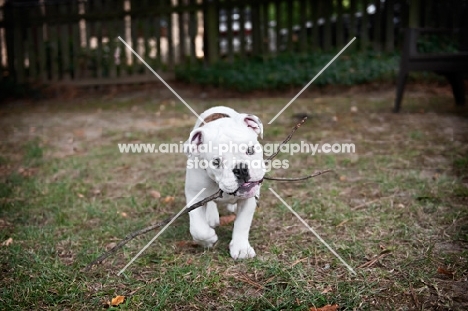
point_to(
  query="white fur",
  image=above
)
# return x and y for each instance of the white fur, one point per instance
(238, 128)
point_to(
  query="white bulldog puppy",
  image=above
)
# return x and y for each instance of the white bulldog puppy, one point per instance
(224, 153)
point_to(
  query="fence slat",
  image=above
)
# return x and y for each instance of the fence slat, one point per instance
(389, 32)
(181, 26)
(88, 51)
(112, 28)
(2, 34)
(76, 43)
(377, 26)
(134, 40)
(170, 41)
(314, 8)
(256, 31)
(53, 45)
(192, 30)
(242, 37)
(146, 39)
(42, 55)
(278, 16)
(303, 30)
(291, 35)
(230, 33)
(352, 22)
(157, 34)
(123, 52)
(64, 43)
(19, 47)
(364, 29)
(265, 35)
(339, 24)
(327, 30)
(32, 73)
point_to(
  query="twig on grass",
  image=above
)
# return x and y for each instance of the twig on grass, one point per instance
(371, 262)
(369, 203)
(298, 178)
(134, 234)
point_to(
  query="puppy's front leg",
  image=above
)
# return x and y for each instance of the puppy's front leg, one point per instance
(240, 247)
(200, 229)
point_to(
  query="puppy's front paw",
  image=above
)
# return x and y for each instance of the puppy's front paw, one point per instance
(206, 239)
(241, 250)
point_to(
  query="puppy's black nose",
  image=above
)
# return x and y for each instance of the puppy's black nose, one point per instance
(241, 171)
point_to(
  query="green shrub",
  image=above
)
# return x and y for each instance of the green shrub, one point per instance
(294, 70)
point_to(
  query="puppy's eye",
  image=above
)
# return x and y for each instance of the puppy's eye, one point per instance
(216, 162)
(250, 151)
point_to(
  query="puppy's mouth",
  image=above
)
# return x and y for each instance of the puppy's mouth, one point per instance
(247, 189)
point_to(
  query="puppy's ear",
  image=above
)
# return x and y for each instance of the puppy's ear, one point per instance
(191, 146)
(254, 123)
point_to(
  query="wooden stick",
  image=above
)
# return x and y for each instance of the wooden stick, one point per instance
(287, 138)
(134, 234)
(298, 178)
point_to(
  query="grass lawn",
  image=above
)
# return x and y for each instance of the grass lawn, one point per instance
(396, 210)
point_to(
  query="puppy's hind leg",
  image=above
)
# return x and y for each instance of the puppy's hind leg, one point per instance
(212, 214)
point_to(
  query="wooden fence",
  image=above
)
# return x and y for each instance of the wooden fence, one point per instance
(76, 41)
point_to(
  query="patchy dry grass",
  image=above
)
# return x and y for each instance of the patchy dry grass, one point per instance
(395, 210)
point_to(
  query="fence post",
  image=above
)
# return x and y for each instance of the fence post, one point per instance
(211, 27)
(389, 31)
(414, 13)
(256, 31)
(9, 37)
(18, 45)
(327, 29)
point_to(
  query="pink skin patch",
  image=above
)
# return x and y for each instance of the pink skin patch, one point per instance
(248, 189)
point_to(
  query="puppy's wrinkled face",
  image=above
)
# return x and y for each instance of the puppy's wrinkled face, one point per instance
(229, 151)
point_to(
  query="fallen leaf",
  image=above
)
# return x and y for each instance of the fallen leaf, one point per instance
(225, 220)
(7, 242)
(155, 194)
(168, 199)
(327, 290)
(182, 244)
(110, 245)
(117, 300)
(441, 270)
(325, 308)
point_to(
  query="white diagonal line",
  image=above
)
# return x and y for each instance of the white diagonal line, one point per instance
(313, 231)
(160, 232)
(162, 80)
(316, 76)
